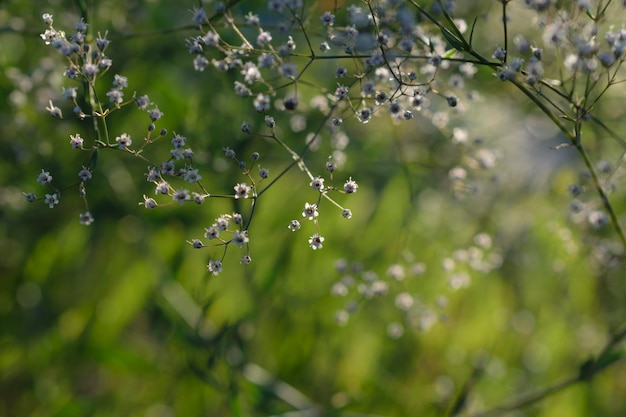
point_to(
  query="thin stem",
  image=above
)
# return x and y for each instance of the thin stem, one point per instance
(506, 32)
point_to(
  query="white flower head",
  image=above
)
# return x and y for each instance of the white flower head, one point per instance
(316, 241)
(310, 211)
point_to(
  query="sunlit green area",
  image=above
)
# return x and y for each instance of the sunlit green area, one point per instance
(435, 298)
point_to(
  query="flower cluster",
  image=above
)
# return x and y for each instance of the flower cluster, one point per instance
(394, 59)
(231, 225)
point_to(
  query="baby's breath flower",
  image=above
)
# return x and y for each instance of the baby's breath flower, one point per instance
(47, 19)
(200, 63)
(211, 232)
(288, 70)
(237, 218)
(51, 200)
(341, 92)
(86, 218)
(252, 19)
(350, 186)
(197, 244)
(262, 102)
(499, 54)
(70, 93)
(123, 140)
(364, 115)
(240, 238)
(264, 38)
(149, 202)
(76, 141)
(30, 197)
(290, 103)
(598, 219)
(168, 168)
(181, 196)
(192, 175)
(102, 42)
(198, 198)
(317, 183)
(54, 110)
(246, 259)
(211, 39)
(222, 222)
(142, 102)
(115, 96)
(90, 70)
(294, 225)
(315, 241)
(155, 114)
(310, 211)
(44, 177)
(215, 267)
(346, 213)
(328, 19)
(241, 190)
(84, 174)
(178, 141)
(119, 81)
(162, 188)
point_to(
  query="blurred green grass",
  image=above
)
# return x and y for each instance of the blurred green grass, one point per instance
(121, 318)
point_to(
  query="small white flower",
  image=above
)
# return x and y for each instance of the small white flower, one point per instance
(86, 218)
(350, 186)
(317, 183)
(181, 196)
(76, 141)
(123, 141)
(211, 233)
(51, 200)
(316, 241)
(84, 174)
(294, 225)
(240, 238)
(215, 267)
(192, 175)
(310, 211)
(44, 177)
(149, 203)
(241, 190)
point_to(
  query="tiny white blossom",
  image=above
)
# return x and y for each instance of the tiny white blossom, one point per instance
(44, 177)
(76, 141)
(294, 225)
(241, 190)
(350, 186)
(240, 238)
(317, 183)
(149, 202)
(181, 196)
(51, 200)
(310, 211)
(215, 267)
(123, 140)
(316, 241)
(211, 233)
(86, 218)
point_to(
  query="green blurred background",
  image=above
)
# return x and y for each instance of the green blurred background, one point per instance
(122, 319)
